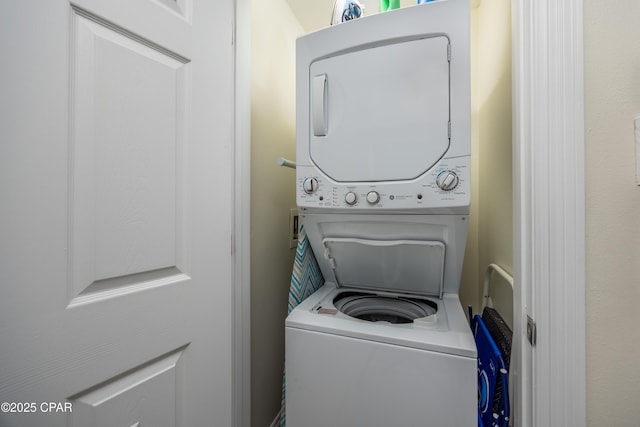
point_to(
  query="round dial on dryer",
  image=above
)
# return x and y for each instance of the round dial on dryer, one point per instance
(310, 185)
(373, 197)
(447, 180)
(350, 198)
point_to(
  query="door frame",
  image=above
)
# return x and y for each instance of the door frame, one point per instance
(241, 244)
(549, 212)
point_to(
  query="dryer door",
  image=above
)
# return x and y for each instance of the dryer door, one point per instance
(380, 113)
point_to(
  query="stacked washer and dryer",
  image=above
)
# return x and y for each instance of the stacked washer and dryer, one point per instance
(383, 191)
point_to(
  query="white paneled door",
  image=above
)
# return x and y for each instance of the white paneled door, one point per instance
(116, 213)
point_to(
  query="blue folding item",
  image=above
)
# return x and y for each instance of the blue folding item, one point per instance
(493, 379)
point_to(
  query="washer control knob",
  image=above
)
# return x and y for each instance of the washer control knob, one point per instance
(373, 197)
(447, 180)
(350, 198)
(310, 185)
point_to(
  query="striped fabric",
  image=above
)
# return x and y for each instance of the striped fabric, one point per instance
(306, 278)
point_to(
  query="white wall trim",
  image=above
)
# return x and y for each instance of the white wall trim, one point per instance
(242, 217)
(549, 210)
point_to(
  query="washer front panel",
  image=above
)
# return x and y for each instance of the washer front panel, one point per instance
(334, 380)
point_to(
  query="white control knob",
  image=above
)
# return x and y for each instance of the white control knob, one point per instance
(310, 185)
(373, 197)
(447, 180)
(350, 198)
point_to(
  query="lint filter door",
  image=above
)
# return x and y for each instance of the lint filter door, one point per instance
(380, 113)
(403, 266)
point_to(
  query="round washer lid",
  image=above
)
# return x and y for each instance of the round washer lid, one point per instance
(405, 266)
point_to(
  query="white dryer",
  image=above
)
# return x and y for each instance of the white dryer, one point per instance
(383, 189)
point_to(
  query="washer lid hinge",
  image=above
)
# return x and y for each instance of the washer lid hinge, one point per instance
(531, 331)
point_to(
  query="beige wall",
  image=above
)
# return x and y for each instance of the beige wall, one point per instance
(490, 235)
(612, 101)
(274, 30)
(469, 288)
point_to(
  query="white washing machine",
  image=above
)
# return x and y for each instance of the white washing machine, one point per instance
(348, 372)
(383, 190)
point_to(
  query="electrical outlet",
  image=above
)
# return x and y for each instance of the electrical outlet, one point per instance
(294, 226)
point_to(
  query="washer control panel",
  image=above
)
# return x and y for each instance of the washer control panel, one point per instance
(446, 185)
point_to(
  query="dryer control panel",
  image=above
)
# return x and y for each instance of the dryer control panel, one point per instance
(445, 186)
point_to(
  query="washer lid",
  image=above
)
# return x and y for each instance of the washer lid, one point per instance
(406, 266)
